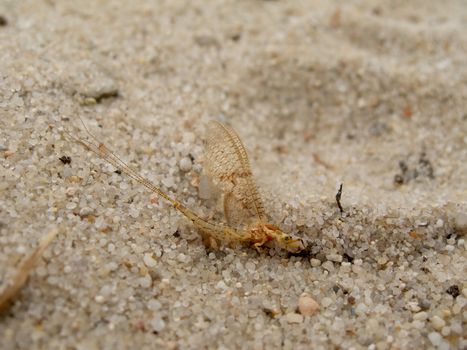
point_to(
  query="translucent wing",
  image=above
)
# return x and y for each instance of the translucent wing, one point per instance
(227, 162)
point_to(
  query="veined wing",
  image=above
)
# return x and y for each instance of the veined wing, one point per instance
(227, 162)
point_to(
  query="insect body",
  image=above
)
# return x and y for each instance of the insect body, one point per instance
(227, 162)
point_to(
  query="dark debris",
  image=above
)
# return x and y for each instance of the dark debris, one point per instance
(3, 21)
(338, 198)
(414, 169)
(453, 290)
(65, 159)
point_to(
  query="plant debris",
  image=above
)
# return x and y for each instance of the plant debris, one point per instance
(28, 263)
(338, 198)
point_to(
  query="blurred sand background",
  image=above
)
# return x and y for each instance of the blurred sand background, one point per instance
(371, 94)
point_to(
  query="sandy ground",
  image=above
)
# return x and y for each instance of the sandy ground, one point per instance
(369, 94)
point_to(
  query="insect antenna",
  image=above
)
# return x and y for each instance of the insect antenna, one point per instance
(102, 151)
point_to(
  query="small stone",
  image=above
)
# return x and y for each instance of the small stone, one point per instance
(460, 223)
(437, 322)
(420, 316)
(71, 191)
(424, 304)
(294, 318)
(334, 257)
(456, 309)
(418, 324)
(149, 261)
(449, 248)
(85, 211)
(157, 323)
(221, 285)
(154, 304)
(91, 81)
(168, 182)
(328, 265)
(185, 164)
(145, 281)
(456, 327)
(112, 266)
(206, 41)
(251, 267)
(71, 205)
(307, 305)
(315, 262)
(435, 338)
(99, 299)
(413, 306)
(360, 309)
(326, 302)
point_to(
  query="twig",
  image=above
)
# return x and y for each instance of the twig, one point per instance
(338, 198)
(23, 270)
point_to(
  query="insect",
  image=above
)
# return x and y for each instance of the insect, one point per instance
(227, 162)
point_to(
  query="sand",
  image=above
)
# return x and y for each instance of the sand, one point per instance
(369, 94)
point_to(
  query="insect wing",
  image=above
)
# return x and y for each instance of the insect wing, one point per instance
(227, 162)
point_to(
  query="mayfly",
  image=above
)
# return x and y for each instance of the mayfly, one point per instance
(227, 162)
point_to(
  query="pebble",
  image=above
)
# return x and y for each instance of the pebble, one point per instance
(435, 338)
(145, 281)
(360, 309)
(112, 266)
(328, 265)
(85, 211)
(91, 81)
(420, 316)
(149, 261)
(460, 223)
(437, 322)
(71, 191)
(251, 267)
(315, 262)
(157, 323)
(326, 302)
(221, 285)
(334, 257)
(307, 305)
(185, 164)
(154, 304)
(294, 318)
(168, 182)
